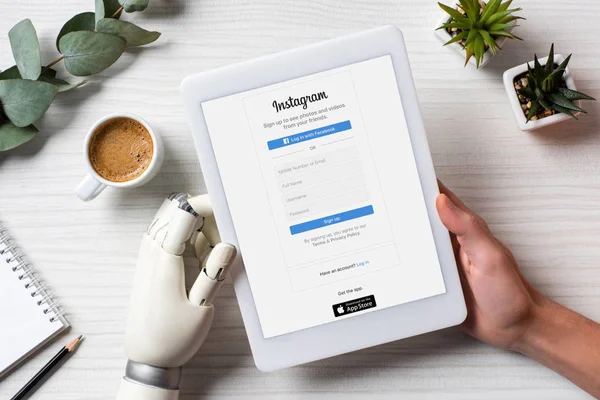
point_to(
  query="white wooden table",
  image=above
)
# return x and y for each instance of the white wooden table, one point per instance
(538, 191)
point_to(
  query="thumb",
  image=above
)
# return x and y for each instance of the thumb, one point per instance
(471, 235)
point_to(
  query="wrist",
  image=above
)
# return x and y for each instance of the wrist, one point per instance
(163, 378)
(539, 321)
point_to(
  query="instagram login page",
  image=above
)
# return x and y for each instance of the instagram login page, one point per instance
(325, 197)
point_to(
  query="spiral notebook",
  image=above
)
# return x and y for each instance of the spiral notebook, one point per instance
(29, 316)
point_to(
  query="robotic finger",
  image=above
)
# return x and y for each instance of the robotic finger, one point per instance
(212, 275)
(201, 245)
(201, 205)
(177, 222)
(174, 223)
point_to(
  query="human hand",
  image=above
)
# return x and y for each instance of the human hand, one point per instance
(501, 303)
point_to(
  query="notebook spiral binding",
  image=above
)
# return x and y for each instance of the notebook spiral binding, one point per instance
(38, 289)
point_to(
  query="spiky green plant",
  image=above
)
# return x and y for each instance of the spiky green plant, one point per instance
(546, 90)
(479, 27)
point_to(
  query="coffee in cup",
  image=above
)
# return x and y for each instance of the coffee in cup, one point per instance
(122, 151)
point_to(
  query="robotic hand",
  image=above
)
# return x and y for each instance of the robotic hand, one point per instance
(166, 326)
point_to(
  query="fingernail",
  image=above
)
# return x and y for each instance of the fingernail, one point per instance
(449, 203)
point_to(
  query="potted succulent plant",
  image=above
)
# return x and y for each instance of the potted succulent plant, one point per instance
(545, 94)
(476, 28)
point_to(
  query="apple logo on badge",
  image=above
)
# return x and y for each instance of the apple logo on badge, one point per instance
(340, 309)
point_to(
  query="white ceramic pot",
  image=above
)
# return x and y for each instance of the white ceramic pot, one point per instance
(508, 79)
(444, 36)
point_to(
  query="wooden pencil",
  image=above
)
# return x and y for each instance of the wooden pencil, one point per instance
(47, 369)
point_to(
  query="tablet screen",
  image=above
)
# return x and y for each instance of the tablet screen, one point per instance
(325, 197)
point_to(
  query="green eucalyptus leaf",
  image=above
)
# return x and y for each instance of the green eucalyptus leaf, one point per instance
(25, 101)
(133, 34)
(81, 22)
(107, 9)
(134, 5)
(60, 84)
(12, 136)
(26, 49)
(11, 73)
(88, 53)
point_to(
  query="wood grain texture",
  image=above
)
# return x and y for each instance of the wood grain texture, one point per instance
(538, 191)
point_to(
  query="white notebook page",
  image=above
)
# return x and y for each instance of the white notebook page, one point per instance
(27, 321)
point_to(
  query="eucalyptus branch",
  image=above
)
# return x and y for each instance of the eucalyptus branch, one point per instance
(89, 42)
(53, 63)
(118, 12)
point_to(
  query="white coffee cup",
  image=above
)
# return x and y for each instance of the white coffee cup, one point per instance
(93, 184)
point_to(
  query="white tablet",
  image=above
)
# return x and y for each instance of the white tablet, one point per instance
(318, 168)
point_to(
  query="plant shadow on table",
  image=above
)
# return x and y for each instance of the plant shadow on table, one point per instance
(69, 103)
(49, 126)
(574, 132)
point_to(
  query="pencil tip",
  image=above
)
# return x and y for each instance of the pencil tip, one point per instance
(73, 344)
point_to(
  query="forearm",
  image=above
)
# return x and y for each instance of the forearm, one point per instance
(565, 342)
